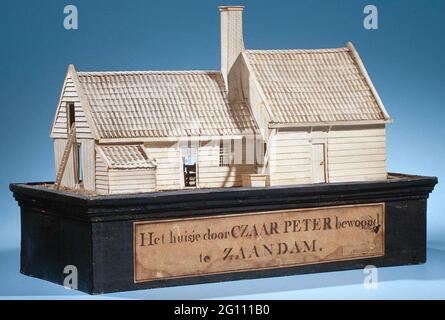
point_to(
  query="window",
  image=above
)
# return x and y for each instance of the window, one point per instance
(71, 115)
(225, 149)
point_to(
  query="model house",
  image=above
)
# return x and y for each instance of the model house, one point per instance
(268, 117)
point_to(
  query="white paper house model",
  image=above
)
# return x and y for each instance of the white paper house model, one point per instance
(311, 116)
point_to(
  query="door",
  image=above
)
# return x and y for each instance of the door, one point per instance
(318, 163)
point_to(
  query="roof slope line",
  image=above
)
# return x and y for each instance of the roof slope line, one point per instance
(362, 68)
(322, 50)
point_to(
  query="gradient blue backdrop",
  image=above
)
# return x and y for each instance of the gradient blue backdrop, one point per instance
(405, 58)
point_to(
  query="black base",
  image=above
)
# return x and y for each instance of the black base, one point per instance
(95, 234)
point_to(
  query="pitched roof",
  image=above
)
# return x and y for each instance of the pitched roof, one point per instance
(125, 157)
(315, 86)
(162, 104)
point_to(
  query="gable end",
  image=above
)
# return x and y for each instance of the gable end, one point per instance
(70, 95)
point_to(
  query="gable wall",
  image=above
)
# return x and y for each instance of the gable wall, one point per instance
(70, 95)
(83, 135)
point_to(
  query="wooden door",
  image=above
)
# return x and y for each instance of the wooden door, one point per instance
(318, 163)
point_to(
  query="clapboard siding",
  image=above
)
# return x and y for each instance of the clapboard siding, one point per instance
(289, 158)
(70, 95)
(357, 154)
(346, 159)
(352, 154)
(168, 164)
(356, 146)
(132, 180)
(68, 179)
(88, 164)
(211, 175)
(102, 177)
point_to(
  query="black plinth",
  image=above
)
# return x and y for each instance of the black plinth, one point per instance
(95, 233)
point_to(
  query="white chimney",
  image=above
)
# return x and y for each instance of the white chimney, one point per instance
(232, 42)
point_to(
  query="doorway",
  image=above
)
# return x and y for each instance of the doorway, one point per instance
(189, 156)
(318, 163)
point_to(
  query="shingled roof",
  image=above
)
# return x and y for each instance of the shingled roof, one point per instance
(315, 86)
(158, 104)
(125, 157)
(301, 87)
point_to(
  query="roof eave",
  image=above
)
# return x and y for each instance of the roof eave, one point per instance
(329, 124)
(135, 140)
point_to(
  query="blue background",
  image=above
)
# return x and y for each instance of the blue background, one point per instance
(405, 58)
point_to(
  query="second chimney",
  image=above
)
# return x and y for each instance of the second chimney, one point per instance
(232, 42)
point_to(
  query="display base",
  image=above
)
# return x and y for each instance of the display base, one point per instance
(159, 239)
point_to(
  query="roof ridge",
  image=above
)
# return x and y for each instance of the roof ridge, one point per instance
(168, 72)
(317, 50)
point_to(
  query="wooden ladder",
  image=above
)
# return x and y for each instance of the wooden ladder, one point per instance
(66, 153)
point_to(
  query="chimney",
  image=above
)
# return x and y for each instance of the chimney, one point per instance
(232, 42)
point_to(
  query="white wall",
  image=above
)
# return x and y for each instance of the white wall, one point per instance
(290, 158)
(168, 164)
(102, 180)
(132, 180)
(357, 154)
(68, 179)
(88, 163)
(352, 154)
(211, 175)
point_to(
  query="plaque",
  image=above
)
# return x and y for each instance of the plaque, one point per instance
(167, 249)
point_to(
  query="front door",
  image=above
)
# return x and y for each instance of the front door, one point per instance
(318, 163)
